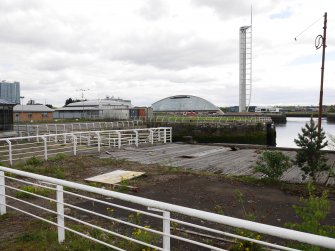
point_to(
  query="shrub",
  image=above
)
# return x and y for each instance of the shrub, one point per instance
(313, 211)
(34, 161)
(273, 164)
(58, 156)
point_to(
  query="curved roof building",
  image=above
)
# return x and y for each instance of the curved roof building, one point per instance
(185, 103)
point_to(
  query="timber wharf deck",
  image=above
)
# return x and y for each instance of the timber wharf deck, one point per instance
(210, 158)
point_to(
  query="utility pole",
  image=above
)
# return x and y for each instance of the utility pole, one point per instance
(82, 100)
(320, 41)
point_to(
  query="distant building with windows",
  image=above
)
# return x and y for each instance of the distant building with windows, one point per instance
(10, 91)
(108, 108)
(32, 113)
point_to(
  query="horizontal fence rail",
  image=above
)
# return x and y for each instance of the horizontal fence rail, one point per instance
(213, 119)
(45, 146)
(167, 226)
(40, 129)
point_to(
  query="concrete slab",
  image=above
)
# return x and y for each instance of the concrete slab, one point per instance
(115, 176)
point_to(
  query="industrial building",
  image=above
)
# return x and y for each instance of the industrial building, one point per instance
(10, 91)
(6, 115)
(185, 105)
(109, 108)
(32, 113)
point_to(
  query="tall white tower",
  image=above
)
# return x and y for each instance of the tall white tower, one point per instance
(245, 82)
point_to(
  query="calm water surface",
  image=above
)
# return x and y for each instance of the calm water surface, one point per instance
(286, 133)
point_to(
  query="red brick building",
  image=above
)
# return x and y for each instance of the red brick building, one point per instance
(32, 113)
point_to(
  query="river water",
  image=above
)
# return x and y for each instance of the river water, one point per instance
(286, 133)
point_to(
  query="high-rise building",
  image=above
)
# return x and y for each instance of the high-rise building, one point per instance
(10, 91)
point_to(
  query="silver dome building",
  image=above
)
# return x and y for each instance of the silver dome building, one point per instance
(183, 104)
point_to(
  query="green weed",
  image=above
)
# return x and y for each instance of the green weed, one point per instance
(31, 189)
(34, 161)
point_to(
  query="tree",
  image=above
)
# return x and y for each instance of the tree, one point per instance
(70, 100)
(273, 164)
(49, 105)
(309, 157)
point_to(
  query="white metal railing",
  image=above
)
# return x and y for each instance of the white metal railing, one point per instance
(210, 228)
(213, 119)
(19, 148)
(38, 129)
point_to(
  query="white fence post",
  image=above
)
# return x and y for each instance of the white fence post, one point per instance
(166, 228)
(10, 153)
(136, 138)
(45, 148)
(2, 193)
(164, 135)
(119, 139)
(151, 136)
(99, 141)
(37, 133)
(60, 214)
(74, 144)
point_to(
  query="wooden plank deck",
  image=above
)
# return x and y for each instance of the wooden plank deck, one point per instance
(209, 158)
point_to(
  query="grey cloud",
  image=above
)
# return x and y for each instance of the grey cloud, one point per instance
(238, 8)
(43, 28)
(153, 10)
(7, 6)
(172, 52)
(55, 61)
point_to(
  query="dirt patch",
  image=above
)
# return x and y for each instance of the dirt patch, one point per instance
(236, 197)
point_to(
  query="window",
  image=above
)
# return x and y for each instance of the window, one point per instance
(30, 115)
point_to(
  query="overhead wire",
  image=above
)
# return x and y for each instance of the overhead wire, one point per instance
(308, 28)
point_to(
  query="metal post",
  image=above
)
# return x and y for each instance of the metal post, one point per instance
(166, 230)
(166, 227)
(60, 214)
(38, 139)
(2, 193)
(151, 136)
(136, 138)
(322, 68)
(119, 139)
(88, 139)
(45, 148)
(74, 144)
(56, 140)
(99, 141)
(10, 153)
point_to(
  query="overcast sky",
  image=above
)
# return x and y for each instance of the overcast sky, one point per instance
(146, 50)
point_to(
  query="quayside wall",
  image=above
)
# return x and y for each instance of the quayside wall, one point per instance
(240, 133)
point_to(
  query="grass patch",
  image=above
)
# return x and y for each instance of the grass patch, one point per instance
(31, 189)
(58, 156)
(43, 236)
(34, 161)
